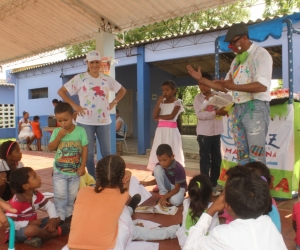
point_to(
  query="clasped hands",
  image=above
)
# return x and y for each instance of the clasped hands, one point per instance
(228, 84)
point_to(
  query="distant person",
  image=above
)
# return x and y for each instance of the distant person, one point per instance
(169, 176)
(166, 112)
(119, 125)
(10, 159)
(209, 130)
(36, 128)
(55, 102)
(25, 133)
(92, 88)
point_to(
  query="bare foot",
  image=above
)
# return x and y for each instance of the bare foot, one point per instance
(28, 148)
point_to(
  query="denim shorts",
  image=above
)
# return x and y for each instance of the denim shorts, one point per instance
(20, 237)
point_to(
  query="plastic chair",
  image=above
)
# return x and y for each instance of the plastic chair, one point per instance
(11, 243)
(124, 139)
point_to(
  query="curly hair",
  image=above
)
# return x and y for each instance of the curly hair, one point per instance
(246, 193)
(260, 169)
(110, 171)
(6, 148)
(18, 178)
(199, 197)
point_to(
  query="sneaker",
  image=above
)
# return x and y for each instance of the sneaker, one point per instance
(34, 242)
(155, 189)
(218, 187)
(216, 192)
(63, 229)
(135, 200)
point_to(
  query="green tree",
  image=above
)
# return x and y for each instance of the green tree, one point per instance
(227, 14)
(280, 7)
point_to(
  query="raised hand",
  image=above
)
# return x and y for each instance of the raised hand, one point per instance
(195, 74)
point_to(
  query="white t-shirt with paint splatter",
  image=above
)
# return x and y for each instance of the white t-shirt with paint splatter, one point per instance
(257, 68)
(93, 95)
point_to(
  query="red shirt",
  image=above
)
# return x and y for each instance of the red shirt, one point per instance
(26, 211)
(296, 217)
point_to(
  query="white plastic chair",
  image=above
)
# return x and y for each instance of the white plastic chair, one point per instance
(124, 139)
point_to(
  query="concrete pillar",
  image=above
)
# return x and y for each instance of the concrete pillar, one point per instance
(105, 44)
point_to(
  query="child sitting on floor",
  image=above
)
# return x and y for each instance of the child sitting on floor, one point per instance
(10, 159)
(264, 172)
(30, 229)
(200, 193)
(169, 176)
(246, 197)
(100, 206)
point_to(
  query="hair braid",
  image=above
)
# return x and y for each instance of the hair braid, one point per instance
(110, 172)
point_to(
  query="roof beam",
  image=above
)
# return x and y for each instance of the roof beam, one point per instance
(85, 11)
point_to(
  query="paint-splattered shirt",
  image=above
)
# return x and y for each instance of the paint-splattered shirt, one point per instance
(257, 68)
(93, 95)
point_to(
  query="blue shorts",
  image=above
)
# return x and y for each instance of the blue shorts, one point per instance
(20, 237)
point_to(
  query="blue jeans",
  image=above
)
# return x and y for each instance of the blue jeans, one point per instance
(165, 186)
(65, 189)
(210, 156)
(103, 136)
(250, 129)
(20, 236)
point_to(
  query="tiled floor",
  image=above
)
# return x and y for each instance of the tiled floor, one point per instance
(42, 163)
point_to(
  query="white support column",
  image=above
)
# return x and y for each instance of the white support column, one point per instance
(105, 44)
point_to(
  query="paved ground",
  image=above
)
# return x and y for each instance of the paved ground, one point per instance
(42, 163)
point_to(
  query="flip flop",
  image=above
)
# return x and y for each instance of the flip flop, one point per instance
(29, 148)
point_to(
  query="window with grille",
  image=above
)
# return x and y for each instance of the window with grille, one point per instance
(38, 93)
(7, 116)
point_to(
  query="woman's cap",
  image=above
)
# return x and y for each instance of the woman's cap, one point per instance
(238, 29)
(93, 55)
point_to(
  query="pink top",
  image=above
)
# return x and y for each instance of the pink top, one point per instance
(296, 217)
(207, 123)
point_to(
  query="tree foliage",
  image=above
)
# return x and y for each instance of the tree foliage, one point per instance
(232, 13)
(280, 7)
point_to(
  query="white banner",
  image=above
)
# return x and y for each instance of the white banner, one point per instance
(279, 142)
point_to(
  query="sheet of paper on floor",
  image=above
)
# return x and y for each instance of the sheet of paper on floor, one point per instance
(142, 245)
(147, 223)
(136, 188)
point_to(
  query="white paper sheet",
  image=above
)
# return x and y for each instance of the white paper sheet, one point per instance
(147, 223)
(136, 188)
(142, 245)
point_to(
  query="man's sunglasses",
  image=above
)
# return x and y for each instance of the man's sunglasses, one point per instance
(235, 41)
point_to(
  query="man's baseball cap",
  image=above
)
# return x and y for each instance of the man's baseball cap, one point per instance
(238, 29)
(93, 55)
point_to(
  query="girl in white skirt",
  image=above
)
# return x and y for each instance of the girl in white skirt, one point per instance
(166, 112)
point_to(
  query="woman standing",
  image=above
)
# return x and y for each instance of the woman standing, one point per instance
(25, 132)
(93, 89)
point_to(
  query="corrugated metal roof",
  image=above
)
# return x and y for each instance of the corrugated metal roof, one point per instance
(4, 83)
(192, 32)
(29, 27)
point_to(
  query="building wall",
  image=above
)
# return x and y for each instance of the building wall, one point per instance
(7, 96)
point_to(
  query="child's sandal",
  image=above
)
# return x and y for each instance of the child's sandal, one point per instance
(63, 229)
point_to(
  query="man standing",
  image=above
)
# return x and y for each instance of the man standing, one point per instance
(249, 79)
(209, 130)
